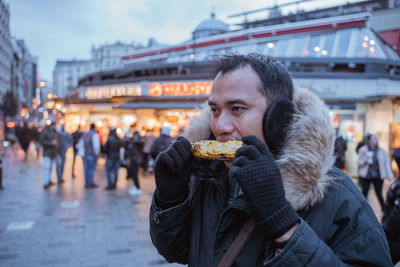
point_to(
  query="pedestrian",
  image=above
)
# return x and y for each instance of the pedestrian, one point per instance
(391, 220)
(148, 142)
(76, 136)
(340, 151)
(161, 143)
(363, 142)
(374, 165)
(25, 138)
(134, 153)
(112, 152)
(89, 149)
(279, 202)
(50, 142)
(65, 143)
(36, 138)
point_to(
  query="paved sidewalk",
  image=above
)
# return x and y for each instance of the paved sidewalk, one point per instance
(68, 225)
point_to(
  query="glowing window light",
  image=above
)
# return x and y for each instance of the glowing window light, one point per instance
(324, 52)
(192, 56)
(372, 49)
(270, 45)
(317, 49)
(366, 38)
(372, 42)
(365, 45)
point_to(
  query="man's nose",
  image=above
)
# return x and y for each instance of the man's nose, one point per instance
(224, 124)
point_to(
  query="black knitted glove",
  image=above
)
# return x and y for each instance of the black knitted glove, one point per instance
(172, 173)
(259, 177)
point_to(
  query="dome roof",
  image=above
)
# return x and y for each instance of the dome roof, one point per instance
(211, 25)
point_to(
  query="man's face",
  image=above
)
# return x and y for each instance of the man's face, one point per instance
(237, 106)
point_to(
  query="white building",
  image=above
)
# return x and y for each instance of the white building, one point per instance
(5, 48)
(106, 57)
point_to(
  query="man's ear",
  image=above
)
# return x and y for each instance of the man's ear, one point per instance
(276, 120)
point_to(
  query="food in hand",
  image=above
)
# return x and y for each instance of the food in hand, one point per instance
(214, 150)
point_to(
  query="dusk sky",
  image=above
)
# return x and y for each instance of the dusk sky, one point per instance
(55, 29)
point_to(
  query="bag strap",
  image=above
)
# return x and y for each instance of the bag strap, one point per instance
(237, 245)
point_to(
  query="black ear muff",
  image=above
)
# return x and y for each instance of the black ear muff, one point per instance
(277, 118)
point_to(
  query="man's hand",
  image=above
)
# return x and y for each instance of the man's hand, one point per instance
(259, 177)
(172, 172)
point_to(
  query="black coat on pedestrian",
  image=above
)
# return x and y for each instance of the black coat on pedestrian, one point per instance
(50, 142)
(340, 151)
(135, 148)
(25, 136)
(391, 220)
(113, 146)
(337, 227)
(160, 144)
(76, 136)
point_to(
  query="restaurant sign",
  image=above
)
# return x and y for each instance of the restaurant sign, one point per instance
(109, 92)
(180, 88)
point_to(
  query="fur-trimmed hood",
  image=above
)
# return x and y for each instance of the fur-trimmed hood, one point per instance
(307, 154)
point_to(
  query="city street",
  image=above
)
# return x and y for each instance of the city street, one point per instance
(68, 225)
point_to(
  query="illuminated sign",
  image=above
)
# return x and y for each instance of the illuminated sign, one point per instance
(108, 92)
(180, 88)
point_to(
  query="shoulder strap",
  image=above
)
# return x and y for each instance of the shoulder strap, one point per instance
(237, 245)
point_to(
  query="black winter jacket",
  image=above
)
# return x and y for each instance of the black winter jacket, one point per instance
(337, 228)
(391, 219)
(112, 147)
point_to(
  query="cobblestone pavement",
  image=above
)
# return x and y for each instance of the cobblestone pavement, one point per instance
(68, 225)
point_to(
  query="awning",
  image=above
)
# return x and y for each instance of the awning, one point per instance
(160, 105)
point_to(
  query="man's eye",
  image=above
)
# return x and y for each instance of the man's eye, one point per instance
(213, 110)
(237, 108)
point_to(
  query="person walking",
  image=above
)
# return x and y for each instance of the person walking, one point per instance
(65, 143)
(25, 138)
(148, 142)
(76, 136)
(89, 149)
(373, 166)
(50, 142)
(112, 151)
(391, 220)
(340, 151)
(280, 202)
(134, 153)
(161, 143)
(36, 138)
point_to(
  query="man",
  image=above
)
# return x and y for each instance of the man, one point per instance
(306, 212)
(65, 143)
(112, 152)
(50, 142)
(161, 143)
(89, 149)
(340, 151)
(76, 136)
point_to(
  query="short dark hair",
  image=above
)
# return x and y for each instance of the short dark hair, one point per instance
(92, 126)
(275, 78)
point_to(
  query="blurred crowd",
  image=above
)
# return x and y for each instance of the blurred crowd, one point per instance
(131, 150)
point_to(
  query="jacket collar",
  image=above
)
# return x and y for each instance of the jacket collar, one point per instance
(307, 154)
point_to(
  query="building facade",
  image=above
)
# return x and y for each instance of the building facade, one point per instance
(106, 57)
(5, 48)
(23, 73)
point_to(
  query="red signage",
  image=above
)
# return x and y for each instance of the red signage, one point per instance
(180, 88)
